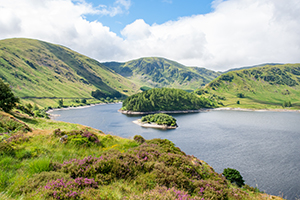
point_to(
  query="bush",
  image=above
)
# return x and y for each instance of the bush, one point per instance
(6, 149)
(68, 188)
(7, 98)
(79, 137)
(41, 179)
(234, 176)
(139, 139)
(241, 95)
(164, 193)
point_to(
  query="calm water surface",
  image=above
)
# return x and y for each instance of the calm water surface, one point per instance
(263, 146)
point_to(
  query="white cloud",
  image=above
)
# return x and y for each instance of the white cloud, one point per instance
(60, 22)
(236, 33)
(119, 7)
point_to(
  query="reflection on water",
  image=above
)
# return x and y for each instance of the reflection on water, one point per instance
(263, 146)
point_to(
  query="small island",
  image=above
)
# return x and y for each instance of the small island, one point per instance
(159, 120)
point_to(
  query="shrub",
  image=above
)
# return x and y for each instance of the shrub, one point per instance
(234, 176)
(241, 95)
(68, 188)
(104, 169)
(139, 139)
(41, 179)
(7, 98)
(210, 189)
(164, 193)
(17, 138)
(6, 149)
(79, 137)
(10, 124)
(166, 145)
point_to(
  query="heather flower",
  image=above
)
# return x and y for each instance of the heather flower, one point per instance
(68, 189)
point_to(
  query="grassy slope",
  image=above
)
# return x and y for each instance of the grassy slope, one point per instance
(27, 169)
(160, 72)
(263, 87)
(40, 69)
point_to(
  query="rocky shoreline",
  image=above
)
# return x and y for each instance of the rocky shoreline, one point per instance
(153, 125)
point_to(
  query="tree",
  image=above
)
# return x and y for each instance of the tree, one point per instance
(234, 176)
(7, 98)
(61, 103)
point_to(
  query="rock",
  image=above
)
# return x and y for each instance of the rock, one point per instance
(63, 139)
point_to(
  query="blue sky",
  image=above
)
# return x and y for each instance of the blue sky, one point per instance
(151, 11)
(217, 35)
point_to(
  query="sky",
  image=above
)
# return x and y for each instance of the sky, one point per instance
(217, 35)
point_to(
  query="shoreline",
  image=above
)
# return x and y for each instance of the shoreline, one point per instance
(128, 112)
(153, 125)
(52, 116)
(255, 110)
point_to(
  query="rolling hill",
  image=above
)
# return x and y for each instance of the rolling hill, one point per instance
(269, 86)
(35, 68)
(161, 72)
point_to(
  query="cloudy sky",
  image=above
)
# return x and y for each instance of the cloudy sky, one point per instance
(217, 35)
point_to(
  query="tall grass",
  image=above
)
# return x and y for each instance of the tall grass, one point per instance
(39, 165)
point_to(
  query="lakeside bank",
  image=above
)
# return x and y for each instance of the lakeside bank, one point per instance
(52, 116)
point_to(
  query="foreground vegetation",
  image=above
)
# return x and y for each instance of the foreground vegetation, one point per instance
(41, 161)
(165, 99)
(267, 87)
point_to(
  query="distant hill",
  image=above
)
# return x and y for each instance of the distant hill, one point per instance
(249, 67)
(270, 86)
(161, 72)
(39, 69)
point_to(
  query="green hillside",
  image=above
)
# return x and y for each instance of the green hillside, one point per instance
(39, 69)
(270, 86)
(160, 72)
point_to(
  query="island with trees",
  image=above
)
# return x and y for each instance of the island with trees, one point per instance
(164, 100)
(158, 120)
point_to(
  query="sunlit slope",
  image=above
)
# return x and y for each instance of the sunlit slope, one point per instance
(160, 72)
(40, 69)
(273, 86)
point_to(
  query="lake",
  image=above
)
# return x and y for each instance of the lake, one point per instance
(263, 146)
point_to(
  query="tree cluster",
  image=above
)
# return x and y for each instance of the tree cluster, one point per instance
(98, 94)
(160, 119)
(165, 99)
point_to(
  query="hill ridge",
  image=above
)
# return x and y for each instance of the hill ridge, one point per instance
(162, 72)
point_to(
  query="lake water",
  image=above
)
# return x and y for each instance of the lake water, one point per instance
(263, 146)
